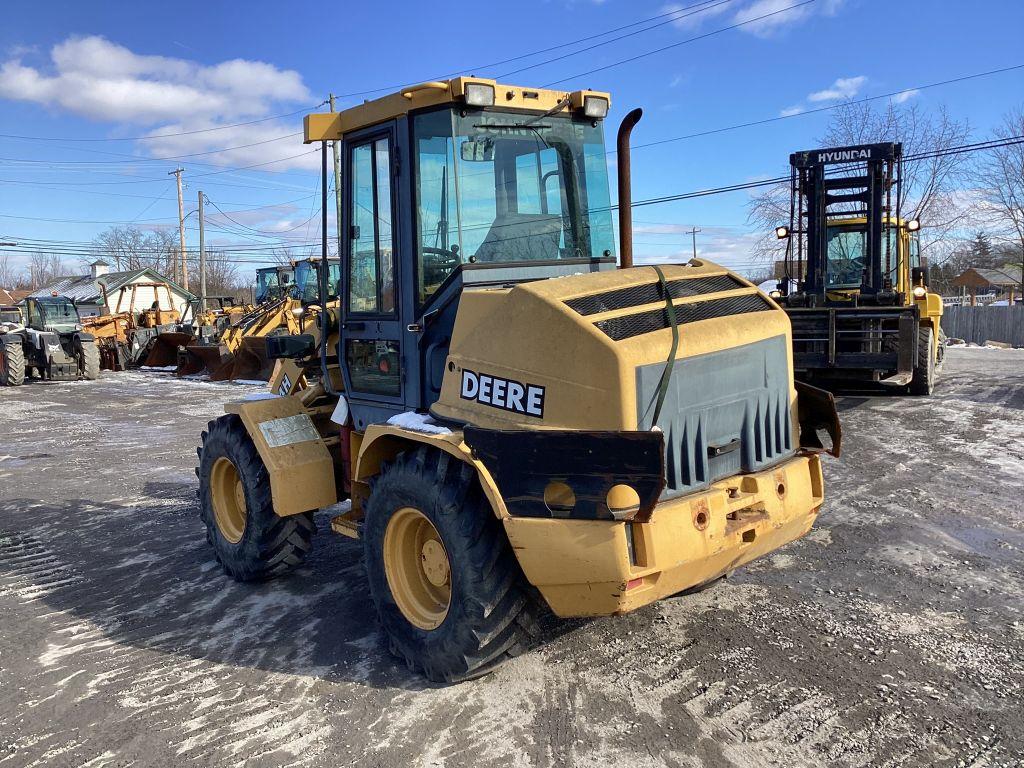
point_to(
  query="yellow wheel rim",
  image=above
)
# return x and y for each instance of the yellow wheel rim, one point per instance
(417, 568)
(228, 496)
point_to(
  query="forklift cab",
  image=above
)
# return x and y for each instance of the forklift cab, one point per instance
(446, 187)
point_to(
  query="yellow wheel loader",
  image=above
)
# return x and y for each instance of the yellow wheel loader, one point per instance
(855, 286)
(125, 336)
(512, 413)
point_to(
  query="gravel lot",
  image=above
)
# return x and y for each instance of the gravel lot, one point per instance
(891, 635)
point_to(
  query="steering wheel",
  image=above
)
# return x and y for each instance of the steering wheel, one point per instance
(438, 263)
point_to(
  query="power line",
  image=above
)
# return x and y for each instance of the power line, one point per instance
(681, 42)
(825, 109)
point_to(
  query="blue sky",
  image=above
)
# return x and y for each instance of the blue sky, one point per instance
(118, 70)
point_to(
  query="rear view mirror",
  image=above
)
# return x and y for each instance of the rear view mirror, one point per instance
(477, 151)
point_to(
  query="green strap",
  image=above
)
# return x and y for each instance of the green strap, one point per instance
(666, 375)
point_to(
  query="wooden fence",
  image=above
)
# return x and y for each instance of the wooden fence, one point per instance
(981, 324)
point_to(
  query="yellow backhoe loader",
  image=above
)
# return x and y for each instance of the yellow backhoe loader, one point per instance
(511, 412)
(124, 336)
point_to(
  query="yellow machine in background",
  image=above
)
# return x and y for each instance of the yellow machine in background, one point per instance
(506, 406)
(856, 287)
(124, 335)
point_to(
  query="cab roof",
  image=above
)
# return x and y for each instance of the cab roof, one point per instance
(330, 126)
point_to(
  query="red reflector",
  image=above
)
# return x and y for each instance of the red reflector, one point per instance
(634, 583)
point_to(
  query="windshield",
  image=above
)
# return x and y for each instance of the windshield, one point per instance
(847, 256)
(306, 286)
(499, 187)
(57, 313)
(272, 283)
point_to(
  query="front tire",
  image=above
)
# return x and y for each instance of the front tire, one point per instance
(447, 587)
(90, 361)
(924, 372)
(249, 539)
(12, 373)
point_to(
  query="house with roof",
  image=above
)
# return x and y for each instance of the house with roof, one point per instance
(102, 292)
(10, 296)
(1004, 282)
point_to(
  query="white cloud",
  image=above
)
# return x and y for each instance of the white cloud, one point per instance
(100, 80)
(903, 96)
(790, 111)
(843, 88)
(690, 17)
(780, 17)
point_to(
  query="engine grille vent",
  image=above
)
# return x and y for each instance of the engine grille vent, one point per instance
(638, 295)
(620, 328)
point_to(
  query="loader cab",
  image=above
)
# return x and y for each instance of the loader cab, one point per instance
(57, 314)
(449, 187)
(10, 314)
(846, 255)
(307, 281)
(273, 283)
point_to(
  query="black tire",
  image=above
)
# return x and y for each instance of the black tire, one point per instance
(89, 364)
(924, 372)
(269, 545)
(12, 364)
(491, 614)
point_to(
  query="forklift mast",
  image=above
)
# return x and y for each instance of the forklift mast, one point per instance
(828, 186)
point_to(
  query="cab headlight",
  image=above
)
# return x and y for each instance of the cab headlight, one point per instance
(479, 94)
(782, 232)
(595, 107)
(298, 311)
(919, 291)
(775, 294)
(913, 225)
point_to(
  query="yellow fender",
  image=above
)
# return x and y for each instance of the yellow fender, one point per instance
(300, 467)
(383, 442)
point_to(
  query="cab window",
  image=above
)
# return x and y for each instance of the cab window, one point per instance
(371, 239)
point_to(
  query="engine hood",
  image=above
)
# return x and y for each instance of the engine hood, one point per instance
(577, 352)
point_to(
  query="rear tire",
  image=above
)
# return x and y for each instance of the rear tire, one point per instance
(924, 372)
(12, 364)
(249, 539)
(90, 361)
(489, 615)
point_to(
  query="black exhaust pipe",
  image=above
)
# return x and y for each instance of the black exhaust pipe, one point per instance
(625, 193)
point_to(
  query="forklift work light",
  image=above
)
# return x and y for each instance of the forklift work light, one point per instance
(782, 232)
(479, 94)
(595, 107)
(919, 291)
(913, 225)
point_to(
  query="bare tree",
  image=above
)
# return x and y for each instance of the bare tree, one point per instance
(44, 268)
(222, 276)
(929, 184)
(9, 274)
(130, 248)
(1001, 179)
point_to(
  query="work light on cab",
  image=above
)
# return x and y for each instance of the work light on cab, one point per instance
(595, 107)
(782, 232)
(913, 225)
(479, 94)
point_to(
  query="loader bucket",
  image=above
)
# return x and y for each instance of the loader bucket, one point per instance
(164, 349)
(205, 358)
(251, 361)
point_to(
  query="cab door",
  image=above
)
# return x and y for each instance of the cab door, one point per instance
(371, 334)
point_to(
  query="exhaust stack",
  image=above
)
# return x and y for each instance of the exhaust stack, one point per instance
(625, 193)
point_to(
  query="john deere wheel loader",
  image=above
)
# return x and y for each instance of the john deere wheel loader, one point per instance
(861, 309)
(508, 411)
(51, 343)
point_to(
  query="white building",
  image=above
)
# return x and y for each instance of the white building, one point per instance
(104, 292)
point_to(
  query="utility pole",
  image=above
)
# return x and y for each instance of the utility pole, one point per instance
(202, 257)
(694, 231)
(337, 180)
(181, 228)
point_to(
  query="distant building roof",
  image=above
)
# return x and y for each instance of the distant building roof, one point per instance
(85, 290)
(12, 296)
(1005, 277)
